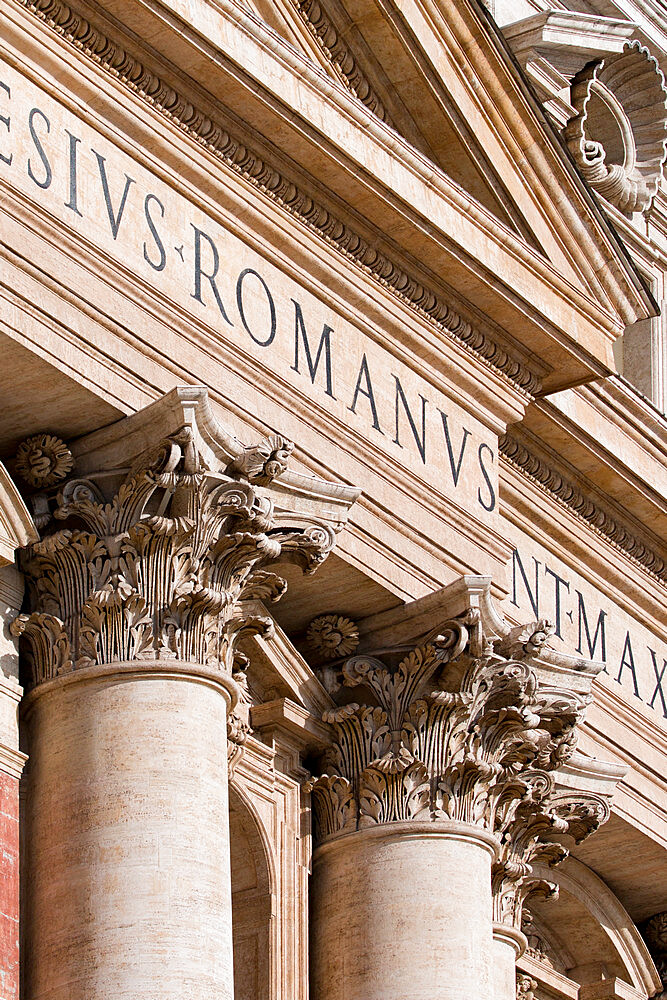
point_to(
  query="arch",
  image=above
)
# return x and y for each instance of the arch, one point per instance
(600, 916)
(17, 527)
(253, 900)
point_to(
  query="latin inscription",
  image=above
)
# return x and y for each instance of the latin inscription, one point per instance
(112, 200)
(587, 623)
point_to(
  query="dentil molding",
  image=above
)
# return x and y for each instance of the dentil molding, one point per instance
(341, 57)
(531, 465)
(236, 154)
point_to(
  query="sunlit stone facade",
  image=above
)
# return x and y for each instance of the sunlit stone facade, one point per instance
(333, 560)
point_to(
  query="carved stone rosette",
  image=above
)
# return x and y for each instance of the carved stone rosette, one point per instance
(156, 570)
(458, 729)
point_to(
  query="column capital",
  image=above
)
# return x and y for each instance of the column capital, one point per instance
(469, 726)
(148, 554)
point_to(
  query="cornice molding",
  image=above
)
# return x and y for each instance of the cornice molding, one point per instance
(341, 57)
(12, 761)
(562, 489)
(236, 154)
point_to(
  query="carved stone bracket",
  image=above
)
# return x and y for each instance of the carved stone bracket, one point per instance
(465, 727)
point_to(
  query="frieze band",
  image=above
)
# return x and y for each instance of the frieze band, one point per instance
(239, 156)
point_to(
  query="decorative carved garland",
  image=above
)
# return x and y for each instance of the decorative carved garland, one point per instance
(235, 154)
(572, 497)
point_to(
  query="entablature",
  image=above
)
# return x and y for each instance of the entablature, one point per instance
(402, 178)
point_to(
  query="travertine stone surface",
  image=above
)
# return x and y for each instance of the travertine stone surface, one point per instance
(403, 910)
(508, 945)
(128, 891)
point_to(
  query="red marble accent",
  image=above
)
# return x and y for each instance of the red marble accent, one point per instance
(9, 887)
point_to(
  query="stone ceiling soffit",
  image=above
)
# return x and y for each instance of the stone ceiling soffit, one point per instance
(388, 79)
(282, 671)
(582, 881)
(564, 484)
(623, 461)
(608, 295)
(284, 18)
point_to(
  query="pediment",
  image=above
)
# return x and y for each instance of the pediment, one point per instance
(443, 77)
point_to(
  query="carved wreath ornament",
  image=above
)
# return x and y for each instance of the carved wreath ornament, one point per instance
(458, 729)
(157, 571)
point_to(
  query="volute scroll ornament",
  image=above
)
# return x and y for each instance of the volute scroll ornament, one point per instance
(618, 136)
(459, 729)
(153, 562)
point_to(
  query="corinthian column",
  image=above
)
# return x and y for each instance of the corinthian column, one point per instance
(432, 801)
(132, 668)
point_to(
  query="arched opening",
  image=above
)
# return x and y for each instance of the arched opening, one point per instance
(251, 903)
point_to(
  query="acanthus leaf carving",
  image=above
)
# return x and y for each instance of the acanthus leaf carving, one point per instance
(157, 570)
(437, 733)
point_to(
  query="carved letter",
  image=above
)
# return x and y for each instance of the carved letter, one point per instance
(455, 466)
(6, 120)
(210, 277)
(534, 598)
(419, 441)
(115, 218)
(491, 504)
(154, 233)
(72, 203)
(324, 345)
(628, 660)
(48, 174)
(658, 686)
(367, 392)
(599, 631)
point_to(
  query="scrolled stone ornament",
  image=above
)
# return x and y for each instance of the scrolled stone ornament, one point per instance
(525, 987)
(43, 460)
(264, 461)
(629, 89)
(333, 636)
